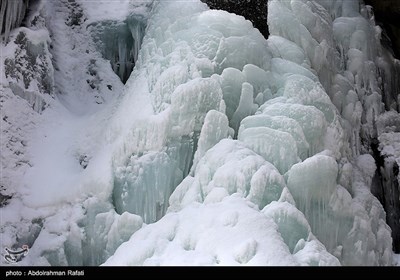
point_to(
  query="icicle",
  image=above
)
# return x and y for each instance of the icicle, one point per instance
(12, 13)
(120, 43)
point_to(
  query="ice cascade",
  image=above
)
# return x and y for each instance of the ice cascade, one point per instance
(222, 147)
(293, 158)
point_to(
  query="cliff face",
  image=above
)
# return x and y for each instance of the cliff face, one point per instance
(387, 13)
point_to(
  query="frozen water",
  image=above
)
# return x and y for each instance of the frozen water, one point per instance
(221, 148)
(11, 13)
(120, 42)
(215, 128)
(275, 146)
(280, 123)
(30, 72)
(311, 120)
(197, 236)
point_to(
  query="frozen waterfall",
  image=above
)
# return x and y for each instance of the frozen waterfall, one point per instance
(303, 173)
(220, 147)
(11, 13)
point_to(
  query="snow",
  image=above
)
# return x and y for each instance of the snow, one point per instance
(47, 151)
(66, 151)
(80, 89)
(114, 9)
(204, 235)
(222, 148)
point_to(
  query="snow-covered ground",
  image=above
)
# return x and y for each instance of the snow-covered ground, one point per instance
(222, 148)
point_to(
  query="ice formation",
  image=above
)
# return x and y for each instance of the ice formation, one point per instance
(11, 13)
(222, 148)
(120, 42)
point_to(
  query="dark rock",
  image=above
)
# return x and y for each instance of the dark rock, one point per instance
(84, 161)
(4, 198)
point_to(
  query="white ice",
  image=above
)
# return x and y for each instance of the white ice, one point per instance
(223, 148)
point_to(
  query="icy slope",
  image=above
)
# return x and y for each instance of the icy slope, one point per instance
(361, 78)
(45, 154)
(296, 128)
(221, 148)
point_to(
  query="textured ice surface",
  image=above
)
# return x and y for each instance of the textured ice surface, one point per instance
(119, 36)
(280, 123)
(222, 148)
(197, 235)
(235, 168)
(230, 167)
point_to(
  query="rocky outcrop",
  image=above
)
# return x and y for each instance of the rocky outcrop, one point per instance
(30, 71)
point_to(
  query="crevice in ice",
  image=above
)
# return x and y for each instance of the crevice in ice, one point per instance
(386, 188)
(120, 42)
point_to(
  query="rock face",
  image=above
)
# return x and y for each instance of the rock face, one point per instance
(254, 10)
(387, 13)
